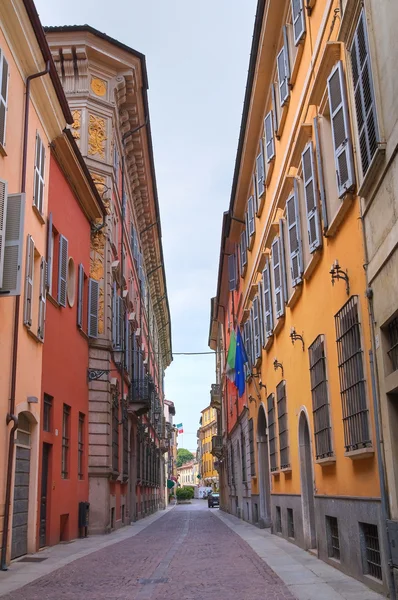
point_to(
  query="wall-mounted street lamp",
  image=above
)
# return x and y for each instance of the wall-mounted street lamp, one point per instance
(278, 365)
(262, 386)
(337, 273)
(294, 336)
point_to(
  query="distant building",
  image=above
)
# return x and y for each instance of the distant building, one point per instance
(208, 428)
(188, 472)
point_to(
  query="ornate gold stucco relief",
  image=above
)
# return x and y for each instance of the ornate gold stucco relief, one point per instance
(96, 136)
(100, 184)
(98, 86)
(77, 116)
(97, 271)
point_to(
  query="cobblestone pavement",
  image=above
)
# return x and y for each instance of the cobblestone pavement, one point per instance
(188, 554)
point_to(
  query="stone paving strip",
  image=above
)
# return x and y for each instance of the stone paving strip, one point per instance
(307, 577)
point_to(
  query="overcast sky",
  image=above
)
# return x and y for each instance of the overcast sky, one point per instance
(197, 58)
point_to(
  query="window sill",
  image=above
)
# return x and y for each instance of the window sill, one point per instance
(253, 291)
(286, 470)
(279, 324)
(325, 462)
(38, 214)
(251, 241)
(370, 180)
(2, 150)
(34, 336)
(331, 55)
(339, 216)
(261, 202)
(52, 300)
(391, 382)
(360, 454)
(282, 119)
(275, 473)
(269, 342)
(315, 260)
(243, 272)
(291, 303)
(269, 170)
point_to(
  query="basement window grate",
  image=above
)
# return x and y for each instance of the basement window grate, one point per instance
(333, 537)
(290, 523)
(371, 550)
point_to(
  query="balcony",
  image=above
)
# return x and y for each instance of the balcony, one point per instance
(141, 392)
(215, 396)
(216, 445)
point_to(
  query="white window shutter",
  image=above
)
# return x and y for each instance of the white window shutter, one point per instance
(269, 137)
(49, 251)
(62, 270)
(232, 272)
(243, 250)
(38, 194)
(4, 74)
(42, 299)
(250, 212)
(3, 221)
(13, 243)
(29, 272)
(295, 247)
(80, 296)
(267, 297)
(311, 193)
(93, 307)
(278, 289)
(282, 78)
(298, 20)
(260, 172)
(256, 329)
(365, 106)
(341, 130)
(321, 179)
(283, 259)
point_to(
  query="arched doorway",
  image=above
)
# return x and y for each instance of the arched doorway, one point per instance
(263, 469)
(307, 483)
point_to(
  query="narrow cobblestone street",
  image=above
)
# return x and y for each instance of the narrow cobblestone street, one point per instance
(188, 554)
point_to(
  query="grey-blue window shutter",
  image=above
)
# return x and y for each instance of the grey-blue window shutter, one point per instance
(114, 315)
(243, 250)
(269, 137)
(121, 322)
(278, 287)
(287, 54)
(126, 341)
(267, 297)
(247, 228)
(365, 106)
(93, 306)
(274, 109)
(321, 179)
(261, 311)
(260, 172)
(255, 192)
(283, 259)
(232, 272)
(12, 245)
(80, 296)
(311, 193)
(42, 299)
(251, 216)
(341, 130)
(49, 251)
(246, 341)
(282, 77)
(4, 73)
(298, 20)
(62, 270)
(3, 221)
(29, 275)
(256, 330)
(295, 247)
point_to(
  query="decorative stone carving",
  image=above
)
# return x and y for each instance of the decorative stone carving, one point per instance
(98, 86)
(77, 116)
(97, 259)
(96, 136)
(100, 184)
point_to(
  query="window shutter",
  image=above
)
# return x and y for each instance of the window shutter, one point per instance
(255, 191)
(93, 306)
(310, 193)
(135, 248)
(80, 296)
(341, 130)
(283, 259)
(251, 444)
(42, 299)
(260, 174)
(243, 250)
(49, 251)
(247, 228)
(365, 106)
(261, 311)
(274, 109)
(30, 256)
(293, 222)
(3, 221)
(256, 330)
(269, 137)
(250, 212)
(268, 312)
(38, 194)
(298, 21)
(232, 272)
(278, 291)
(114, 315)
(62, 270)
(12, 245)
(127, 341)
(321, 180)
(287, 55)
(246, 341)
(282, 78)
(140, 268)
(120, 322)
(4, 71)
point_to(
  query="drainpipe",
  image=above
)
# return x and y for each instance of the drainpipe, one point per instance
(11, 416)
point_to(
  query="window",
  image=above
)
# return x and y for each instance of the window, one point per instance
(12, 210)
(243, 252)
(250, 221)
(283, 425)
(115, 433)
(365, 107)
(47, 412)
(257, 325)
(260, 172)
(272, 438)
(311, 198)
(65, 442)
(232, 272)
(371, 550)
(38, 193)
(251, 445)
(278, 525)
(332, 531)
(283, 65)
(290, 523)
(62, 270)
(352, 378)
(320, 399)
(4, 74)
(80, 459)
(298, 20)
(29, 274)
(93, 306)
(392, 332)
(268, 320)
(294, 235)
(278, 282)
(269, 137)
(243, 448)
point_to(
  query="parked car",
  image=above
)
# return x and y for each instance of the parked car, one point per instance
(213, 499)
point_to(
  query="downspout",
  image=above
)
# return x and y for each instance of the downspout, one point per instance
(11, 416)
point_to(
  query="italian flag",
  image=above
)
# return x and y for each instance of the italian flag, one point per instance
(231, 358)
(180, 428)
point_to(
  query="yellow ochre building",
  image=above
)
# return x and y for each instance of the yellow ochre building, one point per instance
(208, 428)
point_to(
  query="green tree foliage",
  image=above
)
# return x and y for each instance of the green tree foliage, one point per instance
(183, 456)
(184, 493)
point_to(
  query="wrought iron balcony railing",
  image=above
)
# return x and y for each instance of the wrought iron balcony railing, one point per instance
(216, 445)
(215, 396)
(141, 392)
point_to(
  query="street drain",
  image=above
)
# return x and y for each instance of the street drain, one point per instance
(33, 559)
(149, 581)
